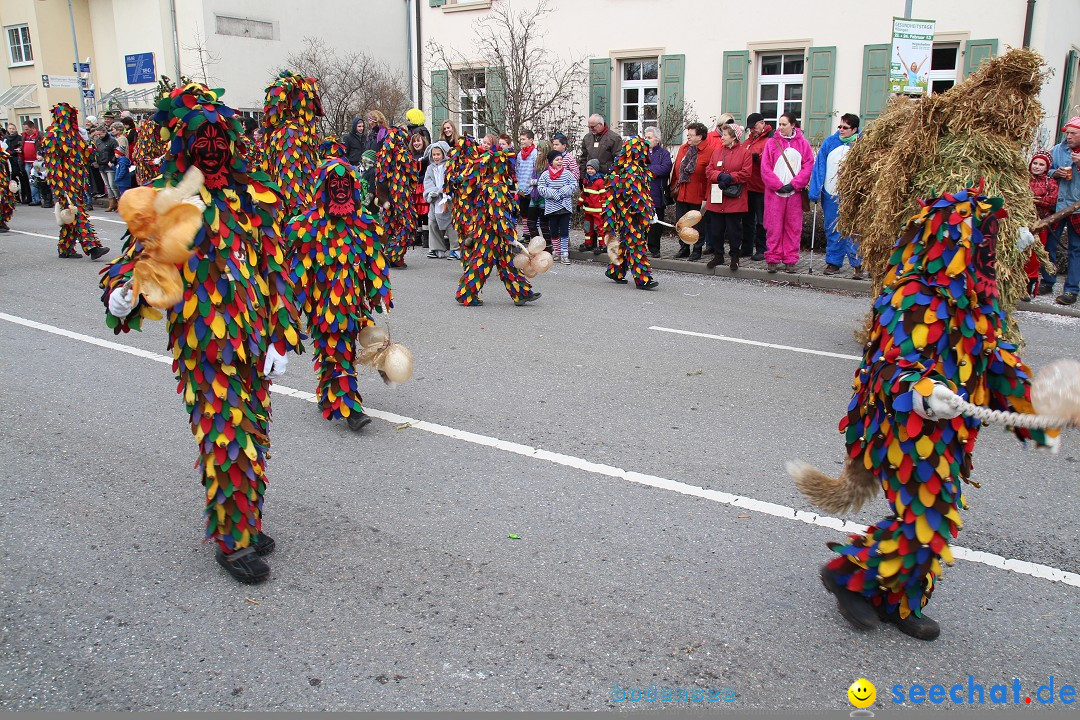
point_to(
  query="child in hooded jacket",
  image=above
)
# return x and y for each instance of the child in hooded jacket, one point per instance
(593, 195)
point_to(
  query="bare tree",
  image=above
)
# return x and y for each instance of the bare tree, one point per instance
(205, 58)
(673, 119)
(528, 86)
(350, 84)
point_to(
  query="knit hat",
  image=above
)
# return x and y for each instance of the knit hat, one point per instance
(594, 164)
(1074, 123)
(551, 156)
(1045, 156)
(753, 119)
(368, 155)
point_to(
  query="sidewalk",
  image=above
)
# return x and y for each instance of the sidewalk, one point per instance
(806, 276)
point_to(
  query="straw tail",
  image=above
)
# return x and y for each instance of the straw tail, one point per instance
(847, 493)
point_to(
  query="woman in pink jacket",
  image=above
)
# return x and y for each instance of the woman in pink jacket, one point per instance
(786, 163)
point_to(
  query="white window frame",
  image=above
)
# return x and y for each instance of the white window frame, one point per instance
(782, 82)
(477, 98)
(23, 46)
(34, 118)
(641, 85)
(937, 75)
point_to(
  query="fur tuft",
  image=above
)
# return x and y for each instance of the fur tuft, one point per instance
(847, 493)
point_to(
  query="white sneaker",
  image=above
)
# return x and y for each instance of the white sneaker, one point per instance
(565, 260)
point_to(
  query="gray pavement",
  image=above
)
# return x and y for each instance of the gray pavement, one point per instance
(395, 585)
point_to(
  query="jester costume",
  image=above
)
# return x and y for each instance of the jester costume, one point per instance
(488, 201)
(340, 275)
(149, 149)
(396, 175)
(66, 155)
(628, 213)
(238, 311)
(7, 198)
(291, 143)
(938, 321)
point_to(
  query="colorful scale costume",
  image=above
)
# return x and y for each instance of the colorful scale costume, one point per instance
(7, 198)
(488, 197)
(238, 300)
(938, 319)
(149, 146)
(462, 173)
(66, 155)
(397, 172)
(331, 147)
(291, 143)
(628, 211)
(340, 275)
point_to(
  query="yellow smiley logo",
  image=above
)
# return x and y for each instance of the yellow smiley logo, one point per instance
(862, 693)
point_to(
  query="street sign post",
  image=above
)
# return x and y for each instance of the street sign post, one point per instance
(65, 82)
(81, 67)
(88, 94)
(140, 68)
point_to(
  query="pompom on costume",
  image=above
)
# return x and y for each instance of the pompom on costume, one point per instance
(937, 322)
(66, 155)
(291, 143)
(150, 148)
(396, 175)
(237, 314)
(485, 188)
(340, 275)
(628, 213)
(7, 197)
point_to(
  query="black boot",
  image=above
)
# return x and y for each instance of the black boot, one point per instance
(97, 252)
(684, 251)
(264, 545)
(855, 608)
(358, 421)
(696, 254)
(921, 628)
(244, 565)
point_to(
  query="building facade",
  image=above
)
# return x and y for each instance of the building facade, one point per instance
(819, 60)
(130, 43)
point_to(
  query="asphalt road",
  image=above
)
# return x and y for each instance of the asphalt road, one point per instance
(395, 584)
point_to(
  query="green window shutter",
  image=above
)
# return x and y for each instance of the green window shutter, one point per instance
(1067, 81)
(495, 100)
(436, 3)
(600, 87)
(976, 52)
(875, 82)
(440, 97)
(734, 88)
(818, 103)
(672, 84)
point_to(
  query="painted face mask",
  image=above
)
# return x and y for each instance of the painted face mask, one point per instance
(339, 194)
(210, 153)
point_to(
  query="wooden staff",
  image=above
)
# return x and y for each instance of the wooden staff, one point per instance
(1051, 219)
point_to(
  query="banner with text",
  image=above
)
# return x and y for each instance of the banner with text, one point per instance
(912, 48)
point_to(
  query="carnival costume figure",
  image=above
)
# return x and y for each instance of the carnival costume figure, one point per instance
(340, 275)
(936, 330)
(291, 143)
(148, 152)
(230, 322)
(462, 172)
(628, 213)
(487, 192)
(397, 172)
(66, 156)
(7, 195)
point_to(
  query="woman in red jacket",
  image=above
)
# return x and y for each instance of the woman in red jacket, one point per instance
(730, 166)
(689, 185)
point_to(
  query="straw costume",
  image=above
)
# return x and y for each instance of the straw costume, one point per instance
(340, 276)
(66, 155)
(628, 212)
(233, 326)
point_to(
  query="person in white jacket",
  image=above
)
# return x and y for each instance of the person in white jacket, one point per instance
(442, 235)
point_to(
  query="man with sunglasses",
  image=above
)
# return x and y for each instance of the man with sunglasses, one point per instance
(822, 187)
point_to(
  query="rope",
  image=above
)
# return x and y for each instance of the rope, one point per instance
(1004, 417)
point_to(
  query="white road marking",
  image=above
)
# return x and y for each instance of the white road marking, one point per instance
(105, 219)
(1021, 567)
(32, 234)
(743, 341)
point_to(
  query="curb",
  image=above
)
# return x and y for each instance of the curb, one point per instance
(800, 279)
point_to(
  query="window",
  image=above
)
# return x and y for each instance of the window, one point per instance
(780, 85)
(36, 119)
(640, 95)
(472, 102)
(943, 67)
(19, 50)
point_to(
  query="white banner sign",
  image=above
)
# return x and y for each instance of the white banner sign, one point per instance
(67, 82)
(912, 47)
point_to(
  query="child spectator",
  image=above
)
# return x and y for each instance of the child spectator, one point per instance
(557, 187)
(418, 145)
(38, 174)
(442, 234)
(1045, 191)
(593, 195)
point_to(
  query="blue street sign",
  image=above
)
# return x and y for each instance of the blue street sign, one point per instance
(84, 82)
(140, 68)
(88, 94)
(81, 67)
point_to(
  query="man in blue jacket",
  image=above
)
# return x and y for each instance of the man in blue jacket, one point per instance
(823, 188)
(1065, 168)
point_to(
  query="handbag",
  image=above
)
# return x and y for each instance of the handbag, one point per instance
(733, 190)
(803, 192)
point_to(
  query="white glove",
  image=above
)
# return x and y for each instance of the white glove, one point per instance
(274, 363)
(937, 406)
(1053, 444)
(120, 302)
(1024, 239)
